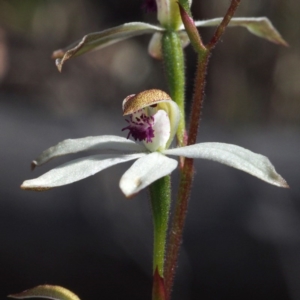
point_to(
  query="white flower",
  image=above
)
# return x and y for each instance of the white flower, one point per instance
(153, 120)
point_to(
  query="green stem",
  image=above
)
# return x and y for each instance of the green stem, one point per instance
(175, 72)
(160, 193)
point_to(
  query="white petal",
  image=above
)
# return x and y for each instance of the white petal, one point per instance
(104, 142)
(154, 48)
(144, 171)
(168, 13)
(184, 38)
(233, 156)
(162, 130)
(76, 170)
(174, 114)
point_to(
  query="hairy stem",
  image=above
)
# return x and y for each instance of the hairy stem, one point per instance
(160, 193)
(221, 28)
(187, 172)
(175, 70)
(186, 179)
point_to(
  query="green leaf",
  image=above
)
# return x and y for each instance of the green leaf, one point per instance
(46, 291)
(99, 40)
(261, 27)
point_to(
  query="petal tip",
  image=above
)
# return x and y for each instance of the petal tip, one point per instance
(283, 183)
(129, 187)
(280, 181)
(26, 187)
(129, 196)
(33, 165)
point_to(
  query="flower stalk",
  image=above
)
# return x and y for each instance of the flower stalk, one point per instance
(187, 172)
(173, 52)
(160, 193)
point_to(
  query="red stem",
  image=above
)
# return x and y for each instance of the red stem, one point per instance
(221, 28)
(158, 288)
(187, 172)
(186, 179)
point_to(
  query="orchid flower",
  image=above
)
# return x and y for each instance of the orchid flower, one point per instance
(153, 121)
(169, 19)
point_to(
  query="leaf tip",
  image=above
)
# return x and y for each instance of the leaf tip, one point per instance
(279, 40)
(17, 296)
(284, 43)
(57, 54)
(59, 64)
(264, 28)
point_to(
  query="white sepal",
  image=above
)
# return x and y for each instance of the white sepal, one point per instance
(233, 156)
(104, 142)
(76, 170)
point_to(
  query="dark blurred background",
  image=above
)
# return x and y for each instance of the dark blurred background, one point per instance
(242, 235)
